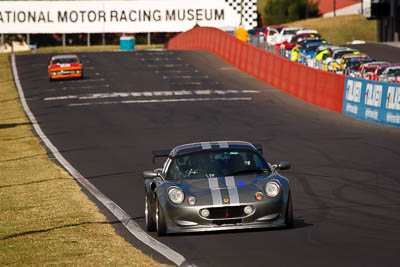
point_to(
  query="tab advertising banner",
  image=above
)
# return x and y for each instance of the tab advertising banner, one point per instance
(372, 101)
(124, 16)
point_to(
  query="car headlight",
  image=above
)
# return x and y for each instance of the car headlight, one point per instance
(272, 189)
(176, 195)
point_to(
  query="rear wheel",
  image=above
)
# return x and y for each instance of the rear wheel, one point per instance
(160, 221)
(150, 223)
(289, 220)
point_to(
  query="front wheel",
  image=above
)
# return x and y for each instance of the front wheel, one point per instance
(150, 223)
(160, 221)
(289, 220)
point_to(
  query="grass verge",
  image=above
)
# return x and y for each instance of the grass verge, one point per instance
(45, 217)
(341, 29)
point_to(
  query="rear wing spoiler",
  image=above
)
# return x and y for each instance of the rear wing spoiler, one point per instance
(160, 154)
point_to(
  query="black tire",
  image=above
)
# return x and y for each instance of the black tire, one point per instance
(148, 213)
(160, 221)
(289, 220)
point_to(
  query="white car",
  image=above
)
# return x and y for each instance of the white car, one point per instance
(286, 34)
(391, 74)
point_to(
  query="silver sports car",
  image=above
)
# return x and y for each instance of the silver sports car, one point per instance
(212, 186)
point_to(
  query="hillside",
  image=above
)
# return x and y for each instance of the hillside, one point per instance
(341, 29)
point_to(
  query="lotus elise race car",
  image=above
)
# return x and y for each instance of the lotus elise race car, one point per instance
(216, 186)
(65, 66)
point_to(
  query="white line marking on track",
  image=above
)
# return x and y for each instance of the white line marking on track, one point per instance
(85, 81)
(80, 87)
(180, 71)
(167, 65)
(184, 77)
(175, 100)
(132, 226)
(148, 94)
(187, 83)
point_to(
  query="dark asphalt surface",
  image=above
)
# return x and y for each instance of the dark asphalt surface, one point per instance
(345, 174)
(380, 51)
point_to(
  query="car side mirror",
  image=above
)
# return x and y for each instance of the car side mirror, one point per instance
(284, 165)
(150, 174)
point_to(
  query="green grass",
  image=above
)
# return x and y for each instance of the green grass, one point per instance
(337, 30)
(45, 218)
(341, 29)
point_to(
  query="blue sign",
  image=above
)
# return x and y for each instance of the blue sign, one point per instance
(372, 101)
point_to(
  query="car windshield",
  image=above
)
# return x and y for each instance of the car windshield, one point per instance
(216, 163)
(289, 32)
(65, 60)
(382, 69)
(339, 54)
(393, 72)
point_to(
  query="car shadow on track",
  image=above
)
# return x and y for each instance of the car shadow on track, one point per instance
(298, 223)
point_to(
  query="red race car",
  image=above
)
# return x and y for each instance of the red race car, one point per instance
(65, 66)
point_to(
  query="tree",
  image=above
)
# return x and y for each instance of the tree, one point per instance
(282, 11)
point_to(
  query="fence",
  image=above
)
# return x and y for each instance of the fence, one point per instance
(321, 88)
(372, 101)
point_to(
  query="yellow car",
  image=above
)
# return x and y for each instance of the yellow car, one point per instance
(345, 59)
(338, 64)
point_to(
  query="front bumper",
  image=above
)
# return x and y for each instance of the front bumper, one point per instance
(183, 218)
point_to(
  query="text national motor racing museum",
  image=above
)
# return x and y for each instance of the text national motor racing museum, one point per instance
(123, 16)
(102, 16)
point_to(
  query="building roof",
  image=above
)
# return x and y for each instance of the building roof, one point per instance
(326, 6)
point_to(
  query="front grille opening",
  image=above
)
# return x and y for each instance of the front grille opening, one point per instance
(227, 212)
(227, 222)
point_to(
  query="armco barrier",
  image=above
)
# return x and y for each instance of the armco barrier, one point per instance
(318, 87)
(372, 101)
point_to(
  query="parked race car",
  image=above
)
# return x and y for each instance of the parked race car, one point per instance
(352, 65)
(213, 186)
(366, 70)
(336, 56)
(338, 66)
(379, 70)
(65, 66)
(391, 74)
(295, 39)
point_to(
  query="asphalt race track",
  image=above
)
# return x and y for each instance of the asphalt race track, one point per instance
(380, 51)
(345, 174)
